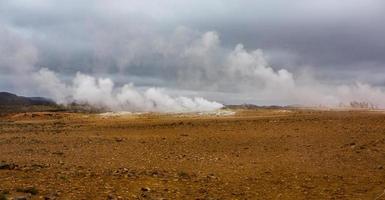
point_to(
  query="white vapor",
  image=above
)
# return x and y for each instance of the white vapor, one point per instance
(248, 75)
(101, 93)
(187, 61)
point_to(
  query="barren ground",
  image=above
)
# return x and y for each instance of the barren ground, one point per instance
(254, 154)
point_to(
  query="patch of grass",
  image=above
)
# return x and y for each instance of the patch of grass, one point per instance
(64, 178)
(183, 174)
(3, 196)
(4, 192)
(30, 190)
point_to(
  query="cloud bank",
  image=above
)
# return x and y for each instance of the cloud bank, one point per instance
(260, 52)
(207, 65)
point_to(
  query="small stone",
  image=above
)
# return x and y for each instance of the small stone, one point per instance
(111, 197)
(380, 167)
(9, 166)
(59, 153)
(145, 189)
(49, 197)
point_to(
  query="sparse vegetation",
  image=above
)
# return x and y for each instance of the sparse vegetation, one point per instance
(3, 196)
(31, 190)
(183, 174)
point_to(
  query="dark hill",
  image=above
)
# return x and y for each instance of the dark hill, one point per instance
(9, 99)
(11, 103)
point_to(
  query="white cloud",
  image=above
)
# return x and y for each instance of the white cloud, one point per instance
(136, 39)
(17, 55)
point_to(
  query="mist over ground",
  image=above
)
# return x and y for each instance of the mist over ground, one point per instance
(194, 56)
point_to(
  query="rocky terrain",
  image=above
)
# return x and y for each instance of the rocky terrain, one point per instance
(253, 154)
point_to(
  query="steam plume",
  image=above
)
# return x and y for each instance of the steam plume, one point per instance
(101, 93)
(199, 62)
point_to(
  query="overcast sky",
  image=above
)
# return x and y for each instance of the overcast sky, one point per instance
(184, 45)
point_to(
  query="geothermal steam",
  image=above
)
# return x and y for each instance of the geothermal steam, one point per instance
(101, 93)
(187, 61)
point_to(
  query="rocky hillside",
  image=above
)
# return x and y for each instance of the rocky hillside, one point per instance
(10, 103)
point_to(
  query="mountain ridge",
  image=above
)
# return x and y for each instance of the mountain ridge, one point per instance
(10, 99)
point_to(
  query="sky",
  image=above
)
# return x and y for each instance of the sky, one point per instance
(229, 51)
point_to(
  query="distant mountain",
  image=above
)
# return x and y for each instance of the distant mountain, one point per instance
(12, 103)
(9, 99)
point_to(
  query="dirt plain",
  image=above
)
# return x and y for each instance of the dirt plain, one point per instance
(253, 154)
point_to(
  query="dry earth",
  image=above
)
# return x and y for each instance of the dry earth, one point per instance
(254, 154)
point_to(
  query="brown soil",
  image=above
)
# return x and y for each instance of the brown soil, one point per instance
(260, 154)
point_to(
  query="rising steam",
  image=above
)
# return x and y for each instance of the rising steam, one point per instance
(101, 93)
(188, 61)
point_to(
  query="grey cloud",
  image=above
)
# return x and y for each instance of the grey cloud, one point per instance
(16, 53)
(158, 43)
(323, 34)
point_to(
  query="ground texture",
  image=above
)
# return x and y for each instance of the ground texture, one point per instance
(254, 154)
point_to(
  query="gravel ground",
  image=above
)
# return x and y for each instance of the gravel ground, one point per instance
(253, 154)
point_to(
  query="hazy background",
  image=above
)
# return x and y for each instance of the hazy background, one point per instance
(245, 51)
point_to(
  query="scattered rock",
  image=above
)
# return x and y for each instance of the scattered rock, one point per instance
(51, 196)
(202, 190)
(21, 197)
(59, 153)
(111, 197)
(7, 166)
(145, 189)
(362, 147)
(37, 166)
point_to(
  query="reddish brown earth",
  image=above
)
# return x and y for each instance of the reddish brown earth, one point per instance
(260, 154)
